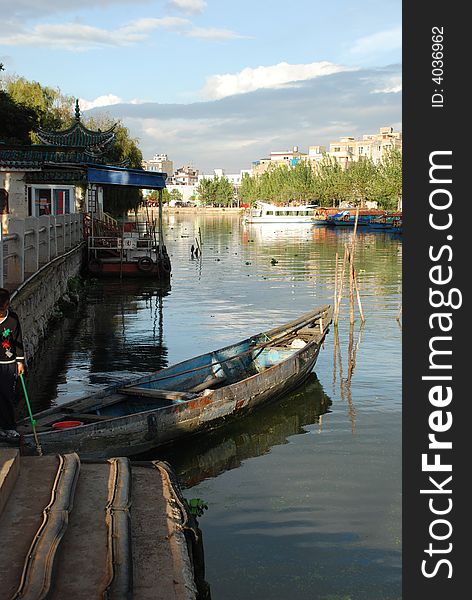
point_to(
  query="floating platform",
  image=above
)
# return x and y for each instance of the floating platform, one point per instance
(84, 530)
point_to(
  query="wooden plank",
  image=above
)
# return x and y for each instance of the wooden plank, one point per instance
(208, 384)
(91, 417)
(162, 394)
(85, 404)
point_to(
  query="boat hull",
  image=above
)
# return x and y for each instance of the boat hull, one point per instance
(142, 431)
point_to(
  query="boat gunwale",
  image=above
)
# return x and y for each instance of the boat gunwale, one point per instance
(99, 425)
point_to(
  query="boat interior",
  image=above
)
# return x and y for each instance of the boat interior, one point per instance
(184, 381)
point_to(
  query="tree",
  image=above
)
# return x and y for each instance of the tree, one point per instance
(206, 191)
(332, 182)
(387, 185)
(118, 200)
(359, 177)
(224, 192)
(16, 120)
(176, 196)
(53, 110)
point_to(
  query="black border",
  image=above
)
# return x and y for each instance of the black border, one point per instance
(428, 129)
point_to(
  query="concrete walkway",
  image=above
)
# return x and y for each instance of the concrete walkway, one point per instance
(83, 530)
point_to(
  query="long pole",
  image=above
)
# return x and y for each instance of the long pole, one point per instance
(32, 419)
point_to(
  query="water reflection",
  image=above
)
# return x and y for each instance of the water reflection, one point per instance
(116, 332)
(215, 452)
(318, 517)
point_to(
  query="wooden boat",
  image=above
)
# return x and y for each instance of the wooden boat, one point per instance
(386, 221)
(186, 398)
(129, 252)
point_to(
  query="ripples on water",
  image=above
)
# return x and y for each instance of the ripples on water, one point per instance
(304, 495)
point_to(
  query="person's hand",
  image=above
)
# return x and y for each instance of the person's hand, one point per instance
(20, 367)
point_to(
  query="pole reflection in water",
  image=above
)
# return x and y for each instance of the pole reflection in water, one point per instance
(345, 384)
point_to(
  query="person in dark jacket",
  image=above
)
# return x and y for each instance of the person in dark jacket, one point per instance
(12, 364)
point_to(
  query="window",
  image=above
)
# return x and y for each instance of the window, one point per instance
(42, 202)
(3, 201)
(51, 200)
(61, 202)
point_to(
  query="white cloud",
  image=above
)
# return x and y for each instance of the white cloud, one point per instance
(189, 6)
(236, 130)
(211, 33)
(35, 8)
(390, 85)
(79, 37)
(105, 100)
(382, 41)
(249, 79)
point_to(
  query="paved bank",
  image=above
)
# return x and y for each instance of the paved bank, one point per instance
(82, 530)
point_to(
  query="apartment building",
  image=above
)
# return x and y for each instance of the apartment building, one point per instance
(186, 175)
(373, 146)
(234, 178)
(277, 158)
(160, 163)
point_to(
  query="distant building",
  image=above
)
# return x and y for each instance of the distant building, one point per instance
(186, 175)
(161, 164)
(374, 146)
(233, 178)
(278, 157)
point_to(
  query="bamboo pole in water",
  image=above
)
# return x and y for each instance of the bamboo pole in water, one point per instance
(335, 283)
(351, 288)
(341, 285)
(358, 296)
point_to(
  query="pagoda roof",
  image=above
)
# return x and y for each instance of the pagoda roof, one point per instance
(39, 155)
(79, 136)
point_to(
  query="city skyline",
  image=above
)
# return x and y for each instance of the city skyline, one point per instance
(216, 83)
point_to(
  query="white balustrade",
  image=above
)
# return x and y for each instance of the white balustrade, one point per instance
(33, 242)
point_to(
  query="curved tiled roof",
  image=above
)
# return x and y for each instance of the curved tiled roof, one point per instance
(80, 137)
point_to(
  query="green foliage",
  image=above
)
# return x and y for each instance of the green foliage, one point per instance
(388, 184)
(328, 183)
(118, 200)
(53, 109)
(176, 196)
(197, 506)
(16, 121)
(153, 196)
(218, 191)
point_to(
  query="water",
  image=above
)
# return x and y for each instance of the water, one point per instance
(304, 495)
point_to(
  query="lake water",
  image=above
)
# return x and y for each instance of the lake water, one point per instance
(304, 495)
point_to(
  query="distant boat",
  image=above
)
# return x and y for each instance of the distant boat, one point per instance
(197, 394)
(271, 213)
(387, 222)
(347, 218)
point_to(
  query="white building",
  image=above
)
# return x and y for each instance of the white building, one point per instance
(160, 163)
(374, 146)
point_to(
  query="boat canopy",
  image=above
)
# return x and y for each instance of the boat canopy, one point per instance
(108, 175)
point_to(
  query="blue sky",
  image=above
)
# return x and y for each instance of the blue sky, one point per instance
(177, 55)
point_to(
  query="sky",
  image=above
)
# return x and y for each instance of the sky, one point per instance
(217, 83)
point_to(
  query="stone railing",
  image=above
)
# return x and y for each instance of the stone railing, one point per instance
(34, 242)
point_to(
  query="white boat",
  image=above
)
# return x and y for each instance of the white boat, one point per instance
(270, 213)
